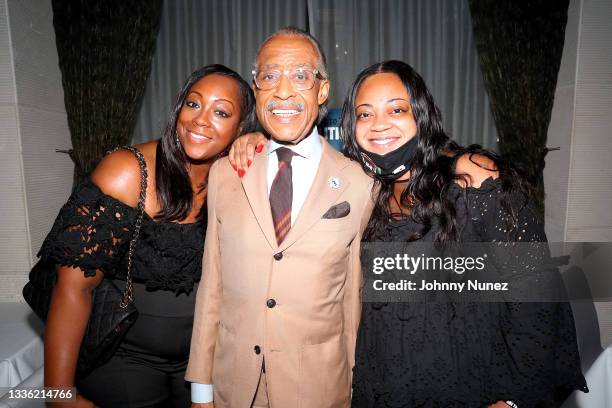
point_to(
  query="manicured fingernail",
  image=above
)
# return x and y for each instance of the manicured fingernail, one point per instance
(235, 167)
(241, 173)
(249, 163)
(259, 148)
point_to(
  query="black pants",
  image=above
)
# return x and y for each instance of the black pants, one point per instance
(149, 367)
(131, 380)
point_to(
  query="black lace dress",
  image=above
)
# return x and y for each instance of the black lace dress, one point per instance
(92, 232)
(467, 354)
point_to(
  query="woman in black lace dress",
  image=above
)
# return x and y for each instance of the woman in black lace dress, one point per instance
(89, 240)
(432, 190)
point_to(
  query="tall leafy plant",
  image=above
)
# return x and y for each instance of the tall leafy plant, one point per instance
(519, 45)
(105, 49)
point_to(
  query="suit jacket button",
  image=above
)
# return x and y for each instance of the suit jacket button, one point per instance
(257, 349)
(271, 303)
(278, 256)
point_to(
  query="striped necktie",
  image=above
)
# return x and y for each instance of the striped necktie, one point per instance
(281, 194)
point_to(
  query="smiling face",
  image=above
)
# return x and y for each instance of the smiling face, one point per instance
(210, 117)
(287, 114)
(383, 114)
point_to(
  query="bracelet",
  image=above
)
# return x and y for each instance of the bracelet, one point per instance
(511, 404)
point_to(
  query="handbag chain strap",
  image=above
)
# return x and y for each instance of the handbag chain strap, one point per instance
(128, 294)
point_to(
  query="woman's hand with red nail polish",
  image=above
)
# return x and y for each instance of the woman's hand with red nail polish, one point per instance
(243, 150)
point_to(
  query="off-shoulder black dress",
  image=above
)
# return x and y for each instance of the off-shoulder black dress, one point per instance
(467, 354)
(92, 231)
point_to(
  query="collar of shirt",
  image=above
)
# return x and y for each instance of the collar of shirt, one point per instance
(309, 148)
(304, 167)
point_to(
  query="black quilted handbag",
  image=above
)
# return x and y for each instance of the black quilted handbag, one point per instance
(112, 312)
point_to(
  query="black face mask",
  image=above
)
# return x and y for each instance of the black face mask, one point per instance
(392, 165)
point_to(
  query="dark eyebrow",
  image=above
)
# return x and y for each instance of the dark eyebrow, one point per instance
(216, 100)
(389, 101)
(225, 100)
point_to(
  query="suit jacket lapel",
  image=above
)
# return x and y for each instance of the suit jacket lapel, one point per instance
(255, 185)
(321, 196)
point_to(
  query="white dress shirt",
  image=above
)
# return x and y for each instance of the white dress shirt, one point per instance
(304, 167)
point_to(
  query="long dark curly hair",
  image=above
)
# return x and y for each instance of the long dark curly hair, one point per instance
(433, 168)
(173, 186)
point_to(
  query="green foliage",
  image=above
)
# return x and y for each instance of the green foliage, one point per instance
(105, 49)
(520, 44)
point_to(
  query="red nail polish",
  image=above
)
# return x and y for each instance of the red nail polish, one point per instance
(249, 163)
(241, 173)
(259, 148)
(235, 167)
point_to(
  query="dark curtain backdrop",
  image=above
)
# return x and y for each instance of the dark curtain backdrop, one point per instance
(434, 36)
(520, 44)
(105, 49)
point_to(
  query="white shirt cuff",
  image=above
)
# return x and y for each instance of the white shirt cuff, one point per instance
(201, 393)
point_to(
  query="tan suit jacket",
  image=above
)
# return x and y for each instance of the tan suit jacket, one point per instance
(297, 305)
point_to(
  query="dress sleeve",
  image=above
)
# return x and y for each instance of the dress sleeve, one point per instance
(91, 232)
(536, 357)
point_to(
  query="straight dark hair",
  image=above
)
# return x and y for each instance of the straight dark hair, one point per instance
(173, 186)
(433, 169)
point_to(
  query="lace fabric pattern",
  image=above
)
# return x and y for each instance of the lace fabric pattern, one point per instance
(93, 230)
(468, 354)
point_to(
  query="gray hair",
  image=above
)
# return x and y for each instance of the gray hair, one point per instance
(322, 60)
(298, 32)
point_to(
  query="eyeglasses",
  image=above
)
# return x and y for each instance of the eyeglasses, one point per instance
(301, 79)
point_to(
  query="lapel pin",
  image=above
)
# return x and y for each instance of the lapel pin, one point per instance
(334, 182)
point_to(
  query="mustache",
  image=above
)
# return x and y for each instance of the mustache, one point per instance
(285, 105)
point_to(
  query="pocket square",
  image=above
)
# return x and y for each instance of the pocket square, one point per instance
(338, 211)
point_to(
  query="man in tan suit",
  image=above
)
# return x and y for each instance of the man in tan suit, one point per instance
(278, 305)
